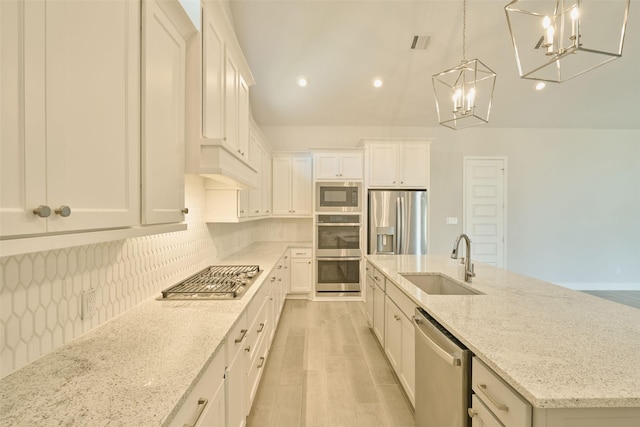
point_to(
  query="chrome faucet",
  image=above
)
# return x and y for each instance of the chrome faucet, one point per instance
(468, 266)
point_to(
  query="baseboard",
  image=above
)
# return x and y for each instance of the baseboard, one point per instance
(601, 286)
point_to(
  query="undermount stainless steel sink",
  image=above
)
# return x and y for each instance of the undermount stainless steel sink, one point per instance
(436, 284)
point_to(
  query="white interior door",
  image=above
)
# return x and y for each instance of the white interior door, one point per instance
(485, 207)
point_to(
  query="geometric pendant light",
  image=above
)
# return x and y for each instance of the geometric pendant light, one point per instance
(556, 40)
(464, 93)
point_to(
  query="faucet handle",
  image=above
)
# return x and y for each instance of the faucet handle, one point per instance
(472, 272)
(462, 260)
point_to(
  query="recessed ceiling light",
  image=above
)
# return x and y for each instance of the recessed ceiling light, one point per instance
(540, 85)
(302, 81)
(377, 82)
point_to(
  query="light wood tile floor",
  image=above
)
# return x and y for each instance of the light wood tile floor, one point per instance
(631, 298)
(325, 368)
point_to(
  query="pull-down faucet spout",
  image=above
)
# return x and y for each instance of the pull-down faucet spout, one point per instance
(468, 266)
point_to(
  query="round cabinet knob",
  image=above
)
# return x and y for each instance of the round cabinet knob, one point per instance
(63, 211)
(42, 211)
(472, 412)
(185, 211)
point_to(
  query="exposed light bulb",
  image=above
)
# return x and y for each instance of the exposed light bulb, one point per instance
(457, 99)
(546, 22)
(303, 81)
(575, 13)
(378, 82)
(471, 98)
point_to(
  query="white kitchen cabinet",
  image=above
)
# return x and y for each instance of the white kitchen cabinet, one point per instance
(61, 149)
(265, 183)
(399, 346)
(379, 307)
(342, 165)
(398, 164)
(205, 404)
(480, 415)
(369, 305)
(163, 103)
(292, 186)
(217, 123)
(301, 272)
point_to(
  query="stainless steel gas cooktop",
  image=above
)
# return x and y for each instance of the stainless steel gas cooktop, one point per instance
(214, 282)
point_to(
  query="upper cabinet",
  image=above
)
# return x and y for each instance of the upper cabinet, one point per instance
(338, 165)
(163, 104)
(70, 117)
(292, 185)
(398, 164)
(218, 103)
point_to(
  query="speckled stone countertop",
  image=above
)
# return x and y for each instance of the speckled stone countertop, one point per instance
(136, 369)
(557, 347)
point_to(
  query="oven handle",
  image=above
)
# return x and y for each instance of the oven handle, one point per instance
(346, 258)
(341, 224)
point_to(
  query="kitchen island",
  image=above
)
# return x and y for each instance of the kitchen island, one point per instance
(556, 347)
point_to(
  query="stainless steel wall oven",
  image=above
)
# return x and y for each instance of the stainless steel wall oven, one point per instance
(338, 254)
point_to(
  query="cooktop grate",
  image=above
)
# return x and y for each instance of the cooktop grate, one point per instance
(214, 282)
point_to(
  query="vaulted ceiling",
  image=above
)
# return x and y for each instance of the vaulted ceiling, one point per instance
(342, 45)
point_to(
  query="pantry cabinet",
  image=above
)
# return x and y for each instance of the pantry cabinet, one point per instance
(69, 163)
(398, 164)
(338, 165)
(292, 186)
(163, 104)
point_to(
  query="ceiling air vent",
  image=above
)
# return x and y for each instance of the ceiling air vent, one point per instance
(420, 42)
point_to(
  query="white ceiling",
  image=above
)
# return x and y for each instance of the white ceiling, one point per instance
(342, 45)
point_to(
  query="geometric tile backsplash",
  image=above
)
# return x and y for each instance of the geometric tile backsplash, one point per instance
(41, 293)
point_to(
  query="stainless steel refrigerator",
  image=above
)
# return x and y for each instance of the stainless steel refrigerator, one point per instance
(397, 222)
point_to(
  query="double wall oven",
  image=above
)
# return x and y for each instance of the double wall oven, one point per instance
(338, 254)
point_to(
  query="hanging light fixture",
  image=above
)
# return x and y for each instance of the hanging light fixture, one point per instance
(464, 93)
(556, 40)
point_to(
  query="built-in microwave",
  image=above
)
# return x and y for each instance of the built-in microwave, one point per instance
(338, 197)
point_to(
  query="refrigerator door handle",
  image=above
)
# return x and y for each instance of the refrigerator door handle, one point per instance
(399, 226)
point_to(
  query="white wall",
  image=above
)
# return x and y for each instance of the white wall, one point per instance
(573, 196)
(40, 292)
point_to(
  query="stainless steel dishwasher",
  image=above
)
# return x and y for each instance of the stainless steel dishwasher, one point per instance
(443, 380)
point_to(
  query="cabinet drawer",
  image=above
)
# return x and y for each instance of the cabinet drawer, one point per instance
(505, 403)
(403, 302)
(480, 415)
(300, 252)
(256, 368)
(257, 330)
(376, 275)
(201, 397)
(237, 337)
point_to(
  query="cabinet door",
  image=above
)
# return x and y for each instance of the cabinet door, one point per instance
(235, 383)
(369, 304)
(232, 75)
(351, 166)
(243, 203)
(22, 118)
(393, 335)
(382, 165)
(301, 186)
(265, 183)
(378, 314)
(414, 166)
(163, 92)
(243, 119)
(408, 359)
(215, 413)
(481, 415)
(93, 147)
(213, 78)
(300, 277)
(327, 166)
(282, 185)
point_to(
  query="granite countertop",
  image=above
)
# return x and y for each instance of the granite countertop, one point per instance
(135, 369)
(557, 347)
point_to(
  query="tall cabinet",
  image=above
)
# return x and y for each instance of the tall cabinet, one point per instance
(70, 147)
(292, 185)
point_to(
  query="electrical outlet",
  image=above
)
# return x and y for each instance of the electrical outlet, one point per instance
(452, 220)
(88, 304)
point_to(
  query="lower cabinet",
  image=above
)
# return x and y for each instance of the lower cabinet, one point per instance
(378, 312)
(205, 405)
(399, 346)
(480, 415)
(300, 280)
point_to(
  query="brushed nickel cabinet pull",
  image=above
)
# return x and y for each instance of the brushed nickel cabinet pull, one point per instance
(243, 332)
(500, 406)
(42, 211)
(261, 328)
(261, 364)
(202, 403)
(185, 211)
(63, 211)
(248, 349)
(472, 412)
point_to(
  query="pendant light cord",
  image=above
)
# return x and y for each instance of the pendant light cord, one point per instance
(464, 30)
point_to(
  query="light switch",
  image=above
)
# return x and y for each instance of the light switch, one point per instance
(452, 220)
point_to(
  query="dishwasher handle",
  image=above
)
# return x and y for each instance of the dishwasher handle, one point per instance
(451, 359)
